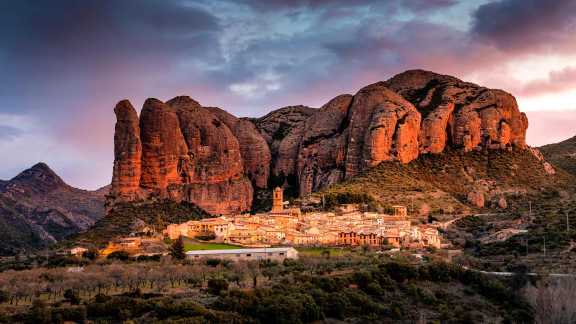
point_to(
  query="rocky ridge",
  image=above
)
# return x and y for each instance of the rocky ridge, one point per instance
(206, 156)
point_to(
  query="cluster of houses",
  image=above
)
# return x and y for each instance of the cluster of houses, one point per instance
(289, 226)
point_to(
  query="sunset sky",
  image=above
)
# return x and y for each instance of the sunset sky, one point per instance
(64, 64)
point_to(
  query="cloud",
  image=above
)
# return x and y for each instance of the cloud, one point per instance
(8, 132)
(527, 25)
(390, 5)
(557, 81)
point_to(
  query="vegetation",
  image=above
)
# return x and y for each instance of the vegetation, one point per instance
(439, 183)
(562, 154)
(177, 249)
(120, 218)
(355, 287)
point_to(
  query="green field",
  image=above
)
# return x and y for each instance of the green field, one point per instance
(190, 245)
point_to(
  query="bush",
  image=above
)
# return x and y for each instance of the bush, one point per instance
(215, 286)
(39, 313)
(400, 272)
(73, 313)
(4, 296)
(119, 255)
(90, 254)
(205, 237)
(213, 262)
(72, 297)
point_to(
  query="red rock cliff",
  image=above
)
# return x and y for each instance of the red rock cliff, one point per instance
(205, 155)
(416, 112)
(187, 153)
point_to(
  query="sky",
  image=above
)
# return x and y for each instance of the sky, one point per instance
(65, 64)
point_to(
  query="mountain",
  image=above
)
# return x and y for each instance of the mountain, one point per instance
(183, 151)
(562, 154)
(38, 208)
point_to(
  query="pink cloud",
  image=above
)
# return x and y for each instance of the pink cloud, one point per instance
(557, 81)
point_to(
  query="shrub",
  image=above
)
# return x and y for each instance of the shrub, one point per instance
(72, 297)
(215, 286)
(119, 255)
(91, 254)
(177, 249)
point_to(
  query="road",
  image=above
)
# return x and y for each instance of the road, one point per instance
(531, 274)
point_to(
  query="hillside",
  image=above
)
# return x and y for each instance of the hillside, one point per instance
(38, 208)
(442, 183)
(121, 218)
(562, 154)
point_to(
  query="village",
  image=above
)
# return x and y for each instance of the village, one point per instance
(289, 226)
(284, 226)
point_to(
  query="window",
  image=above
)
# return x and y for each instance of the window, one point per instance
(248, 255)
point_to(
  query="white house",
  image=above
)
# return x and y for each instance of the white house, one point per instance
(277, 254)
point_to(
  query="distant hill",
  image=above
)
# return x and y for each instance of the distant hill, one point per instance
(562, 154)
(38, 208)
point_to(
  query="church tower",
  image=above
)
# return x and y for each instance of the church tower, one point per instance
(277, 200)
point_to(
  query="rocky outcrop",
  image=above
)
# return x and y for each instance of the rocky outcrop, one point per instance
(321, 150)
(476, 198)
(254, 149)
(414, 113)
(127, 151)
(206, 155)
(461, 114)
(164, 149)
(188, 153)
(276, 125)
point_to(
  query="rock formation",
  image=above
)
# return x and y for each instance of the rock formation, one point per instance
(253, 148)
(187, 153)
(127, 151)
(416, 112)
(205, 155)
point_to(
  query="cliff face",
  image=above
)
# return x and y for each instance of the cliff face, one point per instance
(207, 156)
(414, 113)
(188, 153)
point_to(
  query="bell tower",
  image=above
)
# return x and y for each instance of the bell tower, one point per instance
(277, 200)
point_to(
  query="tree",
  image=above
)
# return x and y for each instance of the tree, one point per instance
(91, 254)
(39, 312)
(177, 249)
(215, 286)
(72, 297)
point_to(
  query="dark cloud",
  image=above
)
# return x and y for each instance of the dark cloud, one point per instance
(64, 48)
(391, 6)
(527, 25)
